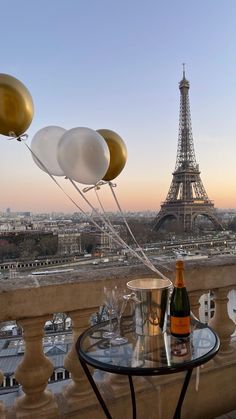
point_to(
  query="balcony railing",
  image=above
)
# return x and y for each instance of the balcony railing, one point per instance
(32, 301)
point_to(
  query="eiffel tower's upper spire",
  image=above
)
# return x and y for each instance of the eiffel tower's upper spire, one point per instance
(185, 152)
(184, 82)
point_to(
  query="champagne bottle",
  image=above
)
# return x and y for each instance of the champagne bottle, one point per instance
(179, 305)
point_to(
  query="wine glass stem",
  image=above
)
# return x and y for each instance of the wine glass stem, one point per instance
(110, 320)
(118, 325)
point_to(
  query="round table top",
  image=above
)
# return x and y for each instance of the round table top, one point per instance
(147, 355)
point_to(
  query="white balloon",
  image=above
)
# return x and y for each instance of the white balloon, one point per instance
(83, 155)
(44, 145)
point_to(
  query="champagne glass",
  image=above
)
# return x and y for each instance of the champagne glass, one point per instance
(119, 304)
(108, 298)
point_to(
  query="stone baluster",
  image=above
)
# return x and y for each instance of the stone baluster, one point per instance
(2, 407)
(194, 297)
(118, 385)
(33, 374)
(221, 321)
(79, 392)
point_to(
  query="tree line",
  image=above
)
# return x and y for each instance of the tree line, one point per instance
(25, 246)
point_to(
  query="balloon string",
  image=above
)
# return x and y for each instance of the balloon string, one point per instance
(117, 239)
(69, 197)
(96, 187)
(103, 210)
(21, 137)
(105, 215)
(107, 223)
(112, 185)
(128, 227)
(110, 227)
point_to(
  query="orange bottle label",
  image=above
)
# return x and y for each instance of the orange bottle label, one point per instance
(180, 325)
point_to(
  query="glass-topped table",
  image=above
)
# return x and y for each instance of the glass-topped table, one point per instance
(146, 355)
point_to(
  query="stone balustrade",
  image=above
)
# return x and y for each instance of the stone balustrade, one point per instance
(31, 301)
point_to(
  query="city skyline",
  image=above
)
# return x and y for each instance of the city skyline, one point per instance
(117, 66)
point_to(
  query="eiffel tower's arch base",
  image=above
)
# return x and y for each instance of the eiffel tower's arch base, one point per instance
(215, 222)
(185, 217)
(165, 218)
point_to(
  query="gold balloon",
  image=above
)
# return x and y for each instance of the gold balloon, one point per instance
(118, 153)
(16, 106)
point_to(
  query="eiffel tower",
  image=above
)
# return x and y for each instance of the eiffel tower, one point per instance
(187, 197)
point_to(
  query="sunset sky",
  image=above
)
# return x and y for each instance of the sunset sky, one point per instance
(116, 65)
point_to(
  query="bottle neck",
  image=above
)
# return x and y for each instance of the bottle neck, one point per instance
(179, 279)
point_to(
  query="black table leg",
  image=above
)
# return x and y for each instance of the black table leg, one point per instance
(177, 414)
(95, 389)
(131, 385)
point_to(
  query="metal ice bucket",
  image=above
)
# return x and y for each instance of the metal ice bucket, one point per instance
(151, 303)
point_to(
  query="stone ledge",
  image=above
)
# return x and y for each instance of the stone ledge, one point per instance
(32, 297)
(116, 272)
